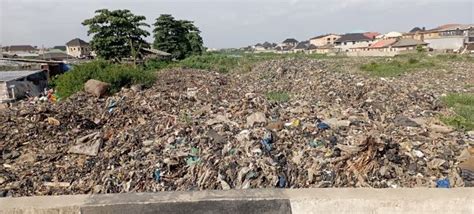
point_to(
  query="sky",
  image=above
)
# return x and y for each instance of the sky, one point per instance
(231, 23)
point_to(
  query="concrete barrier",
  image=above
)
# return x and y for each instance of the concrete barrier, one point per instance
(460, 200)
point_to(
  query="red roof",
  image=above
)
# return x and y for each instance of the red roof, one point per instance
(371, 35)
(383, 43)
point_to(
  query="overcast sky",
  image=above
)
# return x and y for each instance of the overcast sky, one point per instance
(231, 23)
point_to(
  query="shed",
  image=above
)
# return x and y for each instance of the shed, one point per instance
(19, 84)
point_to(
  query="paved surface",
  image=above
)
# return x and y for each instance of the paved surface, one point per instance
(14, 75)
(459, 200)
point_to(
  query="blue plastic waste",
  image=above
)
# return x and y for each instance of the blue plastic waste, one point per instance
(281, 181)
(322, 126)
(442, 183)
(267, 141)
(157, 175)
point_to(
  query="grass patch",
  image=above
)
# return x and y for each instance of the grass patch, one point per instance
(278, 96)
(116, 74)
(463, 106)
(396, 66)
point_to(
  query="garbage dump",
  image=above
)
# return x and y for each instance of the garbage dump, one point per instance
(199, 130)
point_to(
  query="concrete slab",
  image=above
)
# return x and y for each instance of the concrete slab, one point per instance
(460, 200)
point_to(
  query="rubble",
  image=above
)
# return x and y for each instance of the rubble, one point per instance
(196, 130)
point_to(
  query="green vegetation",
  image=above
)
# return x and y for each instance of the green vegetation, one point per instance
(243, 62)
(278, 96)
(180, 38)
(116, 74)
(397, 66)
(117, 34)
(463, 106)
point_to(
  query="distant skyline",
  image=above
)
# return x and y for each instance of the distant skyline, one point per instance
(231, 23)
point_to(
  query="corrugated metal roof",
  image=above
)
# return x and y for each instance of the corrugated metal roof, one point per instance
(14, 75)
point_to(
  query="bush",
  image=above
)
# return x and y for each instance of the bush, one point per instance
(115, 74)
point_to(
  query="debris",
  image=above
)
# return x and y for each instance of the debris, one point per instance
(442, 183)
(87, 145)
(53, 121)
(441, 129)
(401, 120)
(96, 87)
(267, 142)
(276, 126)
(157, 175)
(257, 117)
(333, 122)
(205, 141)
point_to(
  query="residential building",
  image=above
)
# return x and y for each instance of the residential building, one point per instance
(327, 39)
(78, 48)
(301, 47)
(451, 38)
(325, 49)
(289, 42)
(408, 44)
(352, 40)
(19, 49)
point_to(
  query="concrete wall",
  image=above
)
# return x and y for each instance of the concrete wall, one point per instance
(349, 45)
(327, 201)
(373, 53)
(448, 43)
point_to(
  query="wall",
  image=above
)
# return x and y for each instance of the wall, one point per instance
(77, 51)
(349, 45)
(373, 53)
(449, 43)
(324, 40)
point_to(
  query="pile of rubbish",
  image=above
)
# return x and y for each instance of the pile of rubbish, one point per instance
(196, 130)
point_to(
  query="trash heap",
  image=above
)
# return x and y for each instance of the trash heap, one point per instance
(196, 130)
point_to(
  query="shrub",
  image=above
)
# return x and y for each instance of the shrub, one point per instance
(115, 74)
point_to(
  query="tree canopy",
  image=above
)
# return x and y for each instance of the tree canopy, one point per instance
(117, 34)
(180, 38)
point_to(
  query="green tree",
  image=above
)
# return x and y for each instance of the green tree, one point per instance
(180, 38)
(117, 34)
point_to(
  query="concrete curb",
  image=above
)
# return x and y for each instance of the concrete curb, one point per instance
(417, 200)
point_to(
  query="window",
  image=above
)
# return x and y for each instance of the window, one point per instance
(353, 42)
(345, 43)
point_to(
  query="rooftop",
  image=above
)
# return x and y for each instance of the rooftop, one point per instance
(77, 42)
(6, 76)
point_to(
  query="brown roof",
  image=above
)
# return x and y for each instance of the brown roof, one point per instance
(19, 48)
(408, 42)
(77, 42)
(383, 43)
(321, 36)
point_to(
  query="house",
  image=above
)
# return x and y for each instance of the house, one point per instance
(290, 42)
(325, 49)
(371, 35)
(324, 39)
(451, 38)
(383, 45)
(415, 33)
(408, 44)
(392, 35)
(352, 40)
(301, 47)
(258, 47)
(78, 48)
(19, 49)
(60, 47)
